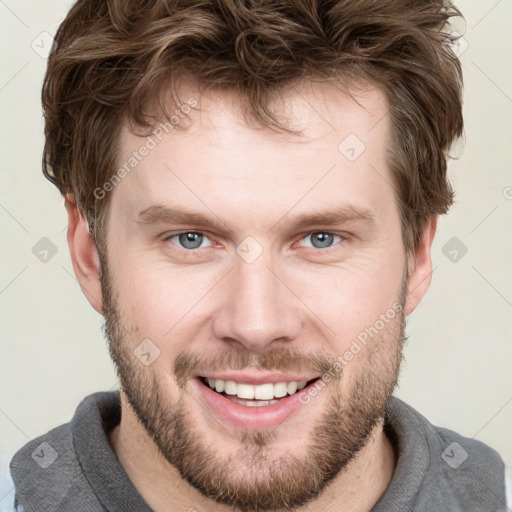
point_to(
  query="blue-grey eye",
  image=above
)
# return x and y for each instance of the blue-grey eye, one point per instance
(322, 239)
(190, 240)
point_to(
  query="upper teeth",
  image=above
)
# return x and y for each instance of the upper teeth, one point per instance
(259, 392)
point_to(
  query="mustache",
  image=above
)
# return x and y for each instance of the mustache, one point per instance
(279, 359)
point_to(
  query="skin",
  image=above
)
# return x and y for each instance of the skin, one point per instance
(293, 297)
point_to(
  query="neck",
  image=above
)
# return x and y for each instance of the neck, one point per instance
(357, 489)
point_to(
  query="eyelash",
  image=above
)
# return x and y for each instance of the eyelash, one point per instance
(343, 238)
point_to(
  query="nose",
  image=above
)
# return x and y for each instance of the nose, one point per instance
(257, 307)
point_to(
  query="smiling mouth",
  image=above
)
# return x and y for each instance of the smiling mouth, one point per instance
(255, 395)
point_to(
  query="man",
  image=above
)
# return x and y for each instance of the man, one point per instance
(252, 190)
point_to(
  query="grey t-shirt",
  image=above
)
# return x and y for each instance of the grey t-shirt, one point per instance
(74, 468)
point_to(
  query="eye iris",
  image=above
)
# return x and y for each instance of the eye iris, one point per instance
(191, 240)
(320, 240)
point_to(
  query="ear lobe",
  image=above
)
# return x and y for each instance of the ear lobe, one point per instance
(420, 267)
(84, 254)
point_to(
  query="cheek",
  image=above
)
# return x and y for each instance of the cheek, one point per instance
(351, 297)
(155, 296)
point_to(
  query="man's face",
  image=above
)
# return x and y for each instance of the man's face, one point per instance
(259, 258)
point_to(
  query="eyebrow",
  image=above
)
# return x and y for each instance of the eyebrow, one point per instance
(159, 214)
(329, 218)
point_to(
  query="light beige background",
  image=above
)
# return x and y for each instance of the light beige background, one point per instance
(459, 355)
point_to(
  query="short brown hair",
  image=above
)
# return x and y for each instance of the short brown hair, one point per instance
(112, 57)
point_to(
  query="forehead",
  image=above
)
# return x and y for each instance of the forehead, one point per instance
(312, 108)
(217, 156)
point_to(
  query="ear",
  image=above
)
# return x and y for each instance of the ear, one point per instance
(84, 254)
(420, 267)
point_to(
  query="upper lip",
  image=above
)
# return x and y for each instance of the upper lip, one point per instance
(257, 378)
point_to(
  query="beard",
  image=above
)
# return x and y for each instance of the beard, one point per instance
(252, 478)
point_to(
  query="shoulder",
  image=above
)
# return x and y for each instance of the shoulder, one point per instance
(471, 470)
(46, 469)
(47, 472)
(460, 472)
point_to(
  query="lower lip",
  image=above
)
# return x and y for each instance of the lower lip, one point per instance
(262, 417)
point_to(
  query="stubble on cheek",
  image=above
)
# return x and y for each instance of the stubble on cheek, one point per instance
(256, 479)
